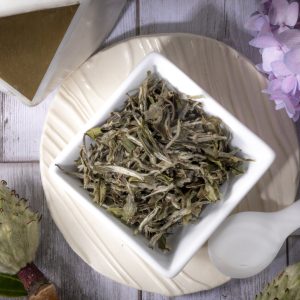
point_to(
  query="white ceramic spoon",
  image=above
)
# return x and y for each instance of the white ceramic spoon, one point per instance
(247, 242)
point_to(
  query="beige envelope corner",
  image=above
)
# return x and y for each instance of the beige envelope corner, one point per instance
(34, 57)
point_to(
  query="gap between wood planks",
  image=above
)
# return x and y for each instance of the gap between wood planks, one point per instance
(137, 17)
(20, 162)
(140, 295)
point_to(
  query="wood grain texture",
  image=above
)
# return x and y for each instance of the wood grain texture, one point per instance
(297, 232)
(293, 249)
(199, 17)
(22, 129)
(219, 19)
(75, 279)
(236, 13)
(126, 25)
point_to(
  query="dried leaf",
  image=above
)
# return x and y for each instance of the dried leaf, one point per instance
(93, 133)
(157, 162)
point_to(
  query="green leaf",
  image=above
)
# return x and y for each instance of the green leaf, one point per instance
(93, 133)
(11, 286)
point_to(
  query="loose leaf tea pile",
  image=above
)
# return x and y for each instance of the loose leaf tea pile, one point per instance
(156, 163)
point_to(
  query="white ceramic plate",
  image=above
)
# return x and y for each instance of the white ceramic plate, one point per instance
(191, 237)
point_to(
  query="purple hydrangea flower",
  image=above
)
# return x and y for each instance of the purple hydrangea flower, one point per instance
(275, 28)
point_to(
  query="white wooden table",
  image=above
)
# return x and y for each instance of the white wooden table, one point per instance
(21, 128)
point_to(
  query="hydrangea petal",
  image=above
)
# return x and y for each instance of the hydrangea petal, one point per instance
(298, 79)
(285, 101)
(265, 6)
(271, 76)
(269, 55)
(290, 38)
(292, 106)
(273, 86)
(259, 67)
(280, 69)
(279, 45)
(292, 60)
(282, 29)
(296, 116)
(279, 105)
(256, 22)
(266, 29)
(289, 84)
(278, 95)
(264, 41)
(289, 107)
(292, 14)
(278, 11)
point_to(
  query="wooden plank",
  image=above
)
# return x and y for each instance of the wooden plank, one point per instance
(178, 16)
(245, 289)
(74, 279)
(294, 249)
(297, 232)
(126, 25)
(219, 19)
(22, 129)
(236, 13)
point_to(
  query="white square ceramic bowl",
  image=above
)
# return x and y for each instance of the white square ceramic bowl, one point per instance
(191, 237)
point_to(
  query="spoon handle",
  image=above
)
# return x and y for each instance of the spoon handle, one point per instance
(289, 218)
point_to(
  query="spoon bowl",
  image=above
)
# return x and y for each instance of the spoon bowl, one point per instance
(246, 243)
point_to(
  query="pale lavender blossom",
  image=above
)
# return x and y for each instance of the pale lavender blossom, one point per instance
(276, 34)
